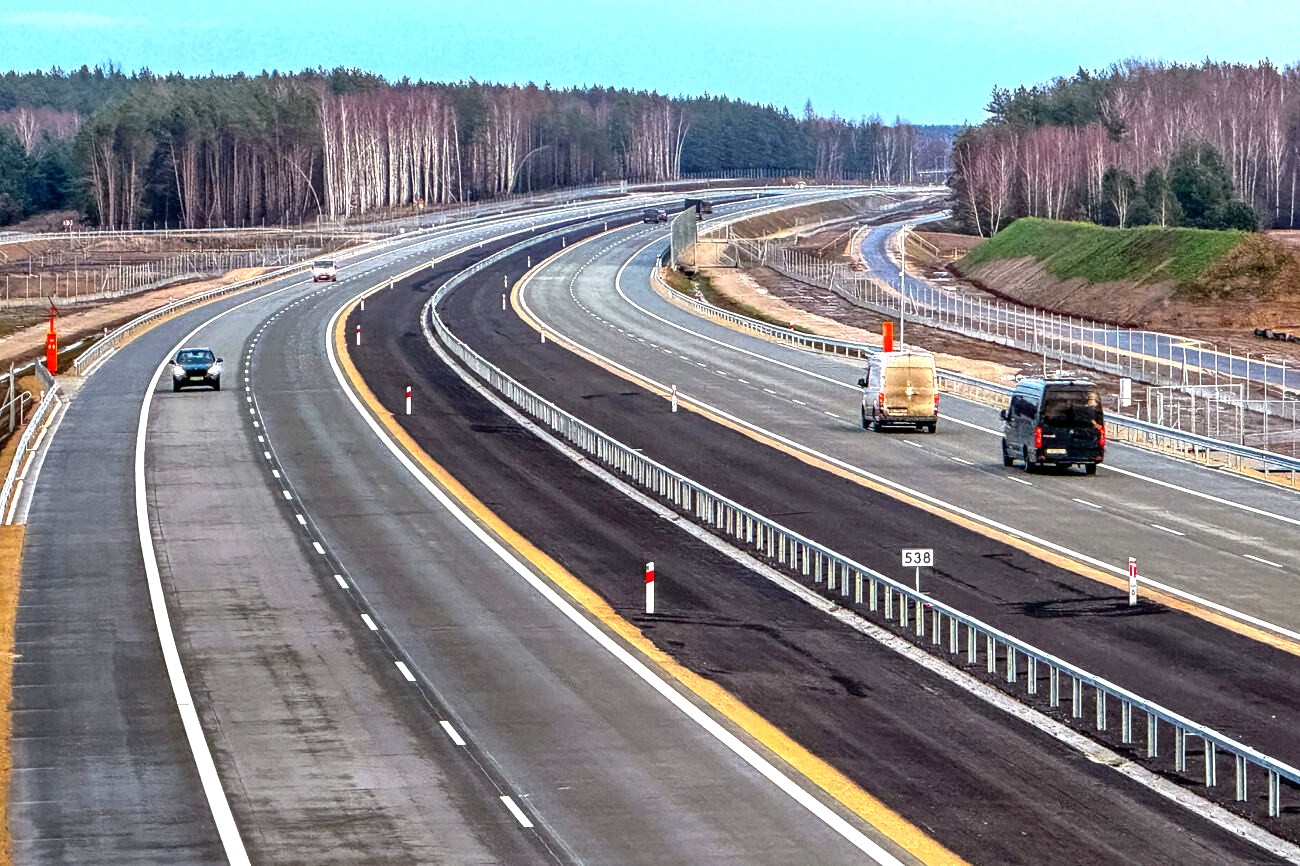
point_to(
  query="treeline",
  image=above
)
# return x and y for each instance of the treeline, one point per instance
(141, 149)
(1210, 146)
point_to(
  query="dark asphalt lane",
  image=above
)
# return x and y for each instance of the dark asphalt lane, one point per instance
(992, 789)
(615, 773)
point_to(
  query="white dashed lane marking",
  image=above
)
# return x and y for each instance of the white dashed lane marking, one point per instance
(1263, 560)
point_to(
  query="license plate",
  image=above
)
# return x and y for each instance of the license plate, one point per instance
(196, 378)
(1055, 450)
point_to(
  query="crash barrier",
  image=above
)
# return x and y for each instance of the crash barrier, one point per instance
(43, 411)
(945, 630)
(1202, 449)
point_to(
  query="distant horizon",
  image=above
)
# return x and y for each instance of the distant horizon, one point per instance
(931, 63)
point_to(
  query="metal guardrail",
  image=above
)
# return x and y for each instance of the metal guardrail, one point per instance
(870, 593)
(1118, 428)
(46, 406)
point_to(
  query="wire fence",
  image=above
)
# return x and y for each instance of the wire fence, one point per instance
(1243, 399)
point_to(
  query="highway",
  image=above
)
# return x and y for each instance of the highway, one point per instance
(301, 563)
(837, 672)
(385, 672)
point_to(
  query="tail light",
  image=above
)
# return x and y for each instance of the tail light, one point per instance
(1103, 435)
(1038, 437)
(936, 401)
(880, 399)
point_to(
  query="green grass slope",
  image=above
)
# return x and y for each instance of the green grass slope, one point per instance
(1145, 255)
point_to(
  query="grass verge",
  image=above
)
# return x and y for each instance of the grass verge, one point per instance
(1097, 254)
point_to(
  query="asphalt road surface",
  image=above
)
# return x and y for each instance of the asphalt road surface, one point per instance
(992, 790)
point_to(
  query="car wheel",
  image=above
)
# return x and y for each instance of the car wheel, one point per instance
(1007, 459)
(1029, 464)
(930, 428)
(176, 386)
(1090, 469)
(216, 384)
(866, 425)
(875, 424)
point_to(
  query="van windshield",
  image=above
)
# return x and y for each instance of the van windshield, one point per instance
(1073, 407)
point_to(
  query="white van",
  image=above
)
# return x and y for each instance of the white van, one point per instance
(899, 389)
(323, 270)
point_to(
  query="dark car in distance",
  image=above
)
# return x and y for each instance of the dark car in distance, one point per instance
(1054, 422)
(196, 367)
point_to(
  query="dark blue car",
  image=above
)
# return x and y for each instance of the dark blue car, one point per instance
(196, 367)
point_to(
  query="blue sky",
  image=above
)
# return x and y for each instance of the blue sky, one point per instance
(924, 60)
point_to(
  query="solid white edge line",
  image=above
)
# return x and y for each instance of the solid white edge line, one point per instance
(452, 732)
(827, 815)
(517, 812)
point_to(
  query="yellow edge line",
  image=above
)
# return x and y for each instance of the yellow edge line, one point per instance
(822, 774)
(1061, 561)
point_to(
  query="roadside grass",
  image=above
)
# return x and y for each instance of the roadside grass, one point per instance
(1098, 254)
(682, 284)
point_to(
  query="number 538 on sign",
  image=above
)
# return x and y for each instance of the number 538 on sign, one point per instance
(918, 557)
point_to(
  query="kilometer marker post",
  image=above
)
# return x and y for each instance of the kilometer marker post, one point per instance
(649, 587)
(1132, 581)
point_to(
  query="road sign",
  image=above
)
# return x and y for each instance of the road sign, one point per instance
(918, 557)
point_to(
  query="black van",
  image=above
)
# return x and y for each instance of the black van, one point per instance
(1054, 422)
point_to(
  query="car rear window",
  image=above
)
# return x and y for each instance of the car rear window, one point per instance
(1070, 407)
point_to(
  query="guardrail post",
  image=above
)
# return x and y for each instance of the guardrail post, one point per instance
(1031, 675)
(857, 589)
(1274, 794)
(1211, 769)
(991, 653)
(936, 626)
(1126, 722)
(920, 618)
(902, 611)
(1101, 709)
(1054, 686)
(972, 646)
(889, 602)
(871, 592)
(831, 573)
(1241, 778)
(1012, 664)
(1153, 736)
(1180, 749)
(1076, 697)
(953, 627)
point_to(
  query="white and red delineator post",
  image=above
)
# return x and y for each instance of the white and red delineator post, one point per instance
(408, 399)
(1132, 581)
(358, 335)
(649, 587)
(674, 398)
